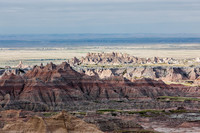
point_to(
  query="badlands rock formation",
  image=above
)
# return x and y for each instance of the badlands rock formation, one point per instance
(21, 66)
(173, 74)
(118, 59)
(27, 122)
(20, 69)
(105, 65)
(57, 87)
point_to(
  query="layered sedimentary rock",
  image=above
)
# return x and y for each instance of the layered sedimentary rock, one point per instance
(118, 59)
(27, 122)
(57, 87)
(105, 65)
(20, 69)
(173, 74)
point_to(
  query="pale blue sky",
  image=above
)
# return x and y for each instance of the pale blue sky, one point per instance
(99, 16)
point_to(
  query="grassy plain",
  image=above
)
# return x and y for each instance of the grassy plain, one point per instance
(32, 56)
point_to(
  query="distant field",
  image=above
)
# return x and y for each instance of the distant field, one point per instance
(32, 56)
(43, 48)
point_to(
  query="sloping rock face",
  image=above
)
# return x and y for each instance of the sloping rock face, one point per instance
(173, 74)
(57, 87)
(19, 122)
(100, 73)
(165, 73)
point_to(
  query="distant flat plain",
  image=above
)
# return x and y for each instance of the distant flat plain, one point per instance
(42, 48)
(38, 55)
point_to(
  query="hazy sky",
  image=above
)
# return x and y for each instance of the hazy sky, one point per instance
(99, 16)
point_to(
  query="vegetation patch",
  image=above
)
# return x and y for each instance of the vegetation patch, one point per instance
(185, 83)
(124, 72)
(108, 110)
(177, 99)
(96, 101)
(147, 113)
(78, 113)
(118, 101)
(48, 114)
(178, 111)
(144, 113)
